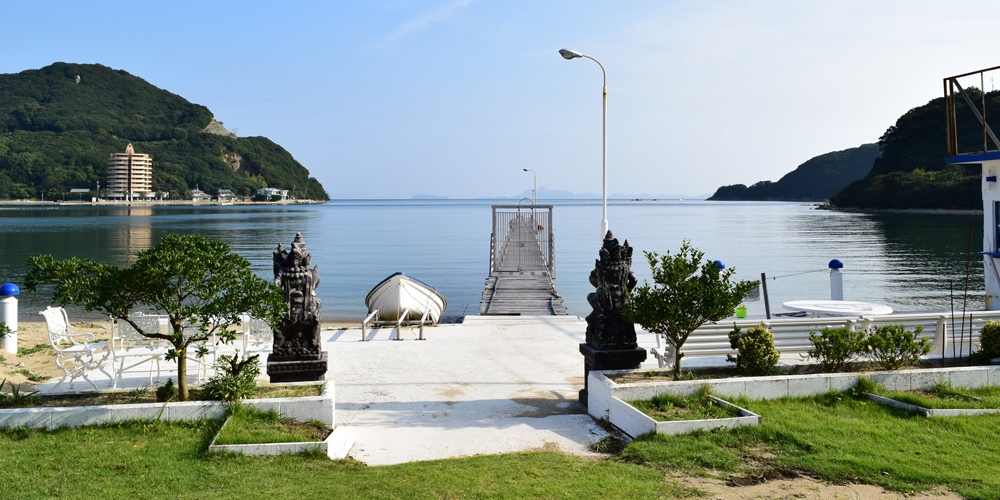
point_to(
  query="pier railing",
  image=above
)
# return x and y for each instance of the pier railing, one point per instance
(522, 239)
(959, 101)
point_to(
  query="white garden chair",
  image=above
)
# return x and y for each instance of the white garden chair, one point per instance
(257, 335)
(134, 348)
(78, 349)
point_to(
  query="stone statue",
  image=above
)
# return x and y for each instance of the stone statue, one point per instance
(297, 355)
(607, 328)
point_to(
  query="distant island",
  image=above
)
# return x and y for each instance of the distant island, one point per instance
(817, 179)
(60, 123)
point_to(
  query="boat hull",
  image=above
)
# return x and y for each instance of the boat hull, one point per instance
(402, 293)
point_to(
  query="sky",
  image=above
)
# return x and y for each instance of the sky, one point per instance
(455, 97)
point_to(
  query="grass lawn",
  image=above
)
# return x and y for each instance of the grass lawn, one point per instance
(841, 438)
(167, 460)
(944, 396)
(248, 425)
(834, 436)
(668, 407)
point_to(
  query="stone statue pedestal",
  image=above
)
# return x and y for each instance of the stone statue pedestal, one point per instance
(296, 370)
(607, 359)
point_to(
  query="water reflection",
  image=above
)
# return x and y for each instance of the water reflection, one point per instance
(906, 261)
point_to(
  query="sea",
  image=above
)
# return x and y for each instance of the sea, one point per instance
(911, 262)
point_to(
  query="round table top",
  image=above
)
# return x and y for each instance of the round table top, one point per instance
(838, 307)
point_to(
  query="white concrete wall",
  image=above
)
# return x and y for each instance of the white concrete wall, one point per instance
(991, 265)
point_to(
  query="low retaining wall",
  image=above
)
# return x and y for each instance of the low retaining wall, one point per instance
(931, 412)
(336, 446)
(303, 409)
(601, 389)
(636, 423)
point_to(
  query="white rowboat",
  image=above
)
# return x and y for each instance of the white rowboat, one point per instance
(402, 297)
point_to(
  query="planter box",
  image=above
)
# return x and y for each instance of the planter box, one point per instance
(303, 409)
(602, 390)
(336, 446)
(930, 412)
(636, 423)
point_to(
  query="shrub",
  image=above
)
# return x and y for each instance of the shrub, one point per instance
(4, 330)
(989, 339)
(891, 347)
(834, 347)
(237, 381)
(166, 392)
(757, 355)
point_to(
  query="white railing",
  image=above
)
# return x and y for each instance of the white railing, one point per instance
(791, 336)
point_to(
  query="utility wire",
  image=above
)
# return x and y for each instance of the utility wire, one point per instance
(796, 274)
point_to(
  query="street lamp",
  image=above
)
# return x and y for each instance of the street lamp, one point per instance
(534, 192)
(572, 54)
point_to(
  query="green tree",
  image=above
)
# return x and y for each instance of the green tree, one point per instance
(687, 292)
(199, 284)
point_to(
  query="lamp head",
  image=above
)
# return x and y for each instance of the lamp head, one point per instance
(569, 54)
(525, 170)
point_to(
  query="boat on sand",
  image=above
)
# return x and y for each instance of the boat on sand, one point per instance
(401, 297)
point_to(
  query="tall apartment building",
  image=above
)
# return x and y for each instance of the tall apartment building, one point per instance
(130, 174)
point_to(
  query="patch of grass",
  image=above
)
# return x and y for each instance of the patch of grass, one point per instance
(167, 460)
(247, 425)
(945, 396)
(31, 350)
(31, 376)
(841, 439)
(289, 391)
(668, 407)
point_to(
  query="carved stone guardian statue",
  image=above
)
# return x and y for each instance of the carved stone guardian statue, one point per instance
(611, 342)
(613, 278)
(297, 355)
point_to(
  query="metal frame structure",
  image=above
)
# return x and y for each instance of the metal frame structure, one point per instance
(510, 218)
(951, 85)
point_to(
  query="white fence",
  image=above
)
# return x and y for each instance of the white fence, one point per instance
(791, 336)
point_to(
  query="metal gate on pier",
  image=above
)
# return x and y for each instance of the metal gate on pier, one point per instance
(522, 263)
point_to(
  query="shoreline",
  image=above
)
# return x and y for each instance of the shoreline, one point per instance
(29, 203)
(922, 211)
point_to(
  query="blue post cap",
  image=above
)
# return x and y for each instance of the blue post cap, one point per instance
(719, 264)
(836, 264)
(9, 289)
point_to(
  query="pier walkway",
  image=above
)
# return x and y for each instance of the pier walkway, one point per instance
(522, 264)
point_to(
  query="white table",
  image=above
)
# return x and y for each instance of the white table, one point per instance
(838, 307)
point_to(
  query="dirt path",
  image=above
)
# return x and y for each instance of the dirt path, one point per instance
(804, 487)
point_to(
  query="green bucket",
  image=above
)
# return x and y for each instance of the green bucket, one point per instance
(741, 312)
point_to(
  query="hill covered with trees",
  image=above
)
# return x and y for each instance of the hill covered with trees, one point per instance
(59, 124)
(817, 179)
(911, 173)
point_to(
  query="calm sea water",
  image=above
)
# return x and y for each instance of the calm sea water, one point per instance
(907, 261)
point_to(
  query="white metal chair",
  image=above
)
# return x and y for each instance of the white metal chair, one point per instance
(257, 335)
(76, 348)
(130, 346)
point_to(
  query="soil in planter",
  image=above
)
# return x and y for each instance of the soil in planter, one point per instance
(140, 395)
(667, 407)
(944, 396)
(247, 425)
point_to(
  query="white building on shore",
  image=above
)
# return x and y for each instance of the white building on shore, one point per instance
(269, 192)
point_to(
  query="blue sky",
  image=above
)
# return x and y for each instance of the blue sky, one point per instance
(454, 97)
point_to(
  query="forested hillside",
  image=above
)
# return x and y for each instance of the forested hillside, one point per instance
(57, 130)
(815, 180)
(911, 173)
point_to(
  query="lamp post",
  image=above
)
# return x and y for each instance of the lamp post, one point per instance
(572, 54)
(534, 191)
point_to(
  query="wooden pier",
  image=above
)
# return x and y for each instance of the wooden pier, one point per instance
(522, 263)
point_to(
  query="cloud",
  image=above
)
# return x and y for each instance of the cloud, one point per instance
(424, 20)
